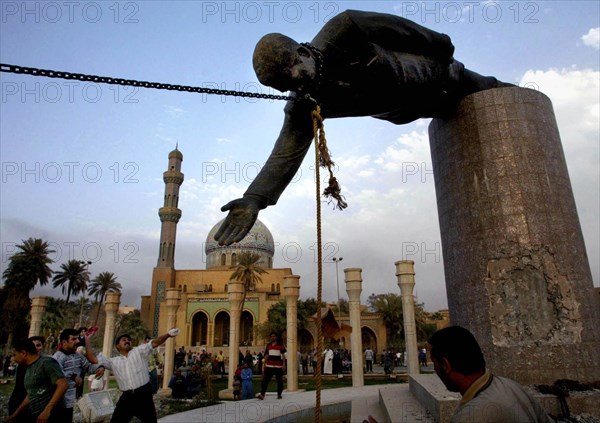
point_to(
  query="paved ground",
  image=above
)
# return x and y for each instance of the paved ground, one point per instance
(255, 410)
(365, 400)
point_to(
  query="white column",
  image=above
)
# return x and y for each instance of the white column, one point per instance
(291, 292)
(172, 303)
(38, 307)
(405, 272)
(111, 307)
(353, 278)
(235, 289)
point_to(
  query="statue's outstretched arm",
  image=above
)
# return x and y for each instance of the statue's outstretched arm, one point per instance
(292, 145)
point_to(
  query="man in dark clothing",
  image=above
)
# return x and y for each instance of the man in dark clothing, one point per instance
(44, 383)
(18, 394)
(359, 64)
(178, 385)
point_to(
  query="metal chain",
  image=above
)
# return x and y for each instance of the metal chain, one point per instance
(133, 83)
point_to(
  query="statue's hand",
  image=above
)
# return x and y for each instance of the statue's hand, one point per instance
(242, 215)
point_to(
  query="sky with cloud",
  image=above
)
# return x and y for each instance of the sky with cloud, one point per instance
(82, 162)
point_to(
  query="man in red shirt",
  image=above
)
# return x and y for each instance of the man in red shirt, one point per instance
(274, 366)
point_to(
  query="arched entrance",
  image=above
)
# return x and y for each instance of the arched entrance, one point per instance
(221, 329)
(368, 338)
(246, 328)
(307, 342)
(199, 328)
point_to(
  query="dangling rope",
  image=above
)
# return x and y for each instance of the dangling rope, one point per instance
(333, 191)
(318, 132)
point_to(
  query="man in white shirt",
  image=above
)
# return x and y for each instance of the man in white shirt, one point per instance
(328, 361)
(130, 368)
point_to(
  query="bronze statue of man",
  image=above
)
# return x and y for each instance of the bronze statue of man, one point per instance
(359, 64)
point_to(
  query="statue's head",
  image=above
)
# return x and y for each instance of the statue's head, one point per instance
(273, 59)
(282, 63)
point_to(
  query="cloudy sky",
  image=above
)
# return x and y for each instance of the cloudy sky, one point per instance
(82, 163)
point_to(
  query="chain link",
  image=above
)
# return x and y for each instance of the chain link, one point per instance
(133, 83)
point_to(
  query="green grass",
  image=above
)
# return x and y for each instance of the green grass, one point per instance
(306, 383)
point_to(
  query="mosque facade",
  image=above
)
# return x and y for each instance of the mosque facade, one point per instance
(203, 311)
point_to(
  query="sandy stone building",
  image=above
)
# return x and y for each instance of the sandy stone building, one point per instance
(203, 312)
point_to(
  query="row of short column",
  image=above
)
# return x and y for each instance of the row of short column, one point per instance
(111, 306)
(353, 279)
(291, 289)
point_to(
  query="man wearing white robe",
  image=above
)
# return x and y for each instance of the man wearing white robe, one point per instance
(328, 362)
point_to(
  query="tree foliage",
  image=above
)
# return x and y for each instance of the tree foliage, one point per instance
(277, 317)
(390, 307)
(55, 317)
(72, 278)
(344, 307)
(102, 284)
(131, 324)
(28, 267)
(247, 271)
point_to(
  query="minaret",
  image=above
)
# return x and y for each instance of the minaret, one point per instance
(169, 214)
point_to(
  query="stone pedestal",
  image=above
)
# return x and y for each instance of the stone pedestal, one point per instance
(353, 279)
(405, 272)
(111, 307)
(172, 304)
(38, 307)
(291, 292)
(235, 289)
(517, 273)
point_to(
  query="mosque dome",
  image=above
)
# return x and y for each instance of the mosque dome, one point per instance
(259, 240)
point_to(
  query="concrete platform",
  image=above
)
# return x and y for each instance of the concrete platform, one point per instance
(434, 397)
(338, 405)
(424, 399)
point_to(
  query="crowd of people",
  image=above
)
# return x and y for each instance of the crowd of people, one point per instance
(47, 387)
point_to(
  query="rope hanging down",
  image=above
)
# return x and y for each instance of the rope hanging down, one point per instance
(333, 190)
(318, 160)
(322, 159)
(134, 83)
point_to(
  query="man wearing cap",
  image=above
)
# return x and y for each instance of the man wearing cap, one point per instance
(130, 368)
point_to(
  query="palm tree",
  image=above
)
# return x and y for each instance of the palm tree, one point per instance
(26, 268)
(390, 307)
(30, 265)
(72, 278)
(247, 271)
(102, 284)
(55, 316)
